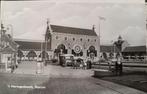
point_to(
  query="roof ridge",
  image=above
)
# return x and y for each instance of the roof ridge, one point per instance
(27, 40)
(73, 30)
(71, 27)
(138, 46)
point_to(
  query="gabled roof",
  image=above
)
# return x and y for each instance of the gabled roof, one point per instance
(105, 48)
(135, 49)
(7, 50)
(27, 45)
(8, 38)
(72, 30)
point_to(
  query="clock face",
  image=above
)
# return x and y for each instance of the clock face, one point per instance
(77, 49)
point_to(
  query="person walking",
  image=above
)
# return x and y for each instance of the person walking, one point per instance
(116, 66)
(119, 62)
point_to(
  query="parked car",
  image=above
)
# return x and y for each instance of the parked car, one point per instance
(66, 59)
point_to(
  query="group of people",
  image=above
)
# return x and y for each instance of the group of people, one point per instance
(80, 64)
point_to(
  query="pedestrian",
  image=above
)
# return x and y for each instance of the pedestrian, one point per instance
(119, 62)
(90, 65)
(109, 64)
(81, 65)
(74, 64)
(116, 65)
(85, 65)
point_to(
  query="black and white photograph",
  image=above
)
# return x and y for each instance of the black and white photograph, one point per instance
(73, 47)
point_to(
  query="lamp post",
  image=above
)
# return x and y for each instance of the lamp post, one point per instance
(1, 44)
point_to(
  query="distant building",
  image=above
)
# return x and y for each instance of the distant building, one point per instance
(32, 50)
(8, 51)
(135, 53)
(109, 51)
(129, 53)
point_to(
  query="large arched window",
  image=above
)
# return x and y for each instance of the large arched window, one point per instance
(31, 54)
(61, 49)
(91, 50)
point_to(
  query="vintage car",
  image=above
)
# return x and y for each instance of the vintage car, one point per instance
(66, 59)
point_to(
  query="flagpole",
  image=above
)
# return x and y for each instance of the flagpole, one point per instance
(46, 40)
(100, 18)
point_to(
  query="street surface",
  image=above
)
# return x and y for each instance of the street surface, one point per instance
(63, 80)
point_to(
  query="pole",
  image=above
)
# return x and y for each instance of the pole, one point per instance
(114, 49)
(46, 51)
(1, 42)
(41, 51)
(100, 18)
(99, 37)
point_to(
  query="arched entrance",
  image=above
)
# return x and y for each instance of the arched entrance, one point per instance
(61, 49)
(31, 55)
(91, 52)
(44, 55)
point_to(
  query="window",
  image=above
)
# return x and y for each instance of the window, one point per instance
(88, 40)
(95, 40)
(56, 37)
(9, 58)
(81, 39)
(73, 39)
(65, 38)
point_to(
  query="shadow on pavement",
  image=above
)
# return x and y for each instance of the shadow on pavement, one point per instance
(133, 79)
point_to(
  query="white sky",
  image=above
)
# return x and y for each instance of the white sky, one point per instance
(123, 17)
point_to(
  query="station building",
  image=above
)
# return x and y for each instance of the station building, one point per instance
(62, 40)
